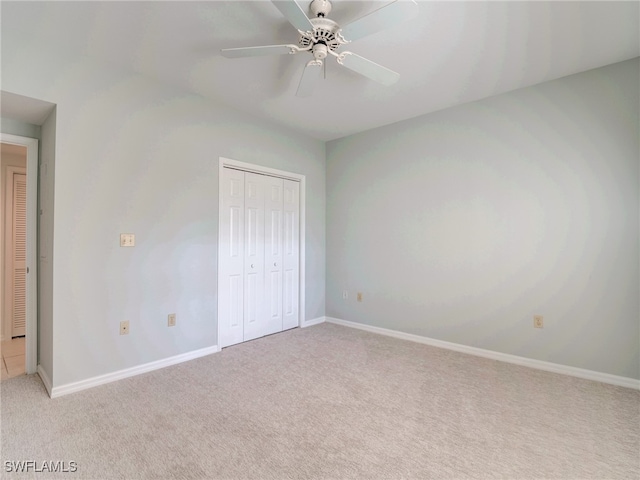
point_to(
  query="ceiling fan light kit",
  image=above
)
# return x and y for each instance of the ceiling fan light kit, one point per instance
(322, 37)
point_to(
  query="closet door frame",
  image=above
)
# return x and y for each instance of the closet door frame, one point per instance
(252, 168)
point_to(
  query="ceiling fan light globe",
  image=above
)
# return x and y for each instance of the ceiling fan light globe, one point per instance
(320, 51)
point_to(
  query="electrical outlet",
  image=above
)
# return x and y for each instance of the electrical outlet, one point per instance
(359, 296)
(124, 327)
(538, 321)
(172, 319)
(345, 295)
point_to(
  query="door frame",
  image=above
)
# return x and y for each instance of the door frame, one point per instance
(31, 342)
(252, 168)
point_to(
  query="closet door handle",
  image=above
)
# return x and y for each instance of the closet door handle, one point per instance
(252, 265)
(275, 264)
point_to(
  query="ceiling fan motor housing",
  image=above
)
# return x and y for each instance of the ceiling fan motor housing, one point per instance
(324, 32)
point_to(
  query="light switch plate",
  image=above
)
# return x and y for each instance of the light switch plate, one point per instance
(127, 240)
(538, 321)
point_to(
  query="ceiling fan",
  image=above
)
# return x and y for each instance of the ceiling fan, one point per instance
(322, 37)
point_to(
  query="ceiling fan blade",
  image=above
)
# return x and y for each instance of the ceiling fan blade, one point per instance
(368, 68)
(296, 16)
(258, 51)
(310, 77)
(386, 16)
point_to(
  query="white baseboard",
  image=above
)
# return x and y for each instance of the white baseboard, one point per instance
(503, 357)
(313, 321)
(127, 372)
(45, 378)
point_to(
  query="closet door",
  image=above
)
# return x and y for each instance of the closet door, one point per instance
(273, 247)
(231, 258)
(254, 308)
(258, 256)
(291, 254)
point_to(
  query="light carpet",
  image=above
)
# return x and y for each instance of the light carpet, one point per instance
(329, 402)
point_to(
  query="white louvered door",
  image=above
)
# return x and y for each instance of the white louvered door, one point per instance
(258, 256)
(19, 256)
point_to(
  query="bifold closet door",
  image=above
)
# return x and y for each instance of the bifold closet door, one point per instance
(282, 248)
(241, 289)
(258, 261)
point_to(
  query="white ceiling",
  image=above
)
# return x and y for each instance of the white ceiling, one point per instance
(451, 53)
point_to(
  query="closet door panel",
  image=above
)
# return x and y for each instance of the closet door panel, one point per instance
(273, 253)
(254, 324)
(231, 261)
(291, 254)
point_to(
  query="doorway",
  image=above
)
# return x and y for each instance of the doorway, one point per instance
(18, 278)
(13, 258)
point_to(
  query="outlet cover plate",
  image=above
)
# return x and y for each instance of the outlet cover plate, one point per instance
(124, 327)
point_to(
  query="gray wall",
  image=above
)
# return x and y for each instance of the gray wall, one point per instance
(463, 224)
(138, 157)
(46, 188)
(45, 133)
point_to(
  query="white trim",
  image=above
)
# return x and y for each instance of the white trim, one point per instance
(129, 372)
(314, 321)
(31, 343)
(250, 167)
(503, 357)
(45, 379)
(302, 251)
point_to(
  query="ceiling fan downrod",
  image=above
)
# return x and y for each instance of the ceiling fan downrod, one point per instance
(320, 8)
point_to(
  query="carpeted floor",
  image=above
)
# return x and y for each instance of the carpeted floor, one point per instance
(329, 402)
